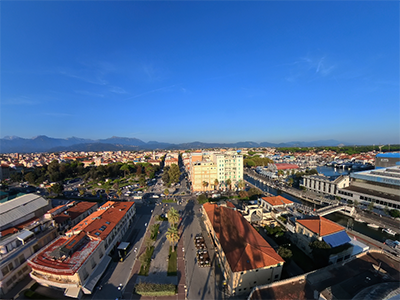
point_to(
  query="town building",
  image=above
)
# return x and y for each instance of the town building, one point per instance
(203, 176)
(246, 259)
(325, 185)
(380, 187)
(70, 214)
(385, 160)
(214, 170)
(74, 262)
(23, 231)
(319, 228)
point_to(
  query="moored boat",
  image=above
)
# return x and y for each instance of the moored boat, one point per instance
(389, 231)
(372, 225)
(359, 220)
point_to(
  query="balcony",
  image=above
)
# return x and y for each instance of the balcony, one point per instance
(53, 281)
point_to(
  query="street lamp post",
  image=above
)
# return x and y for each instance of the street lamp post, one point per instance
(120, 289)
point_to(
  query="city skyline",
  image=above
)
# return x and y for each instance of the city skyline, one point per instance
(222, 72)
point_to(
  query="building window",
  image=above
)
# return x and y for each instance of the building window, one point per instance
(255, 282)
(240, 290)
(276, 276)
(5, 271)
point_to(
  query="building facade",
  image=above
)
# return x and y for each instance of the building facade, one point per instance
(319, 228)
(386, 160)
(379, 187)
(246, 259)
(211, 166)
(325, 185)
(74, 262)
(24, 231)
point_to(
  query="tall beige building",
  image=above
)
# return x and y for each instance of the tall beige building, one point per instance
(206, 167)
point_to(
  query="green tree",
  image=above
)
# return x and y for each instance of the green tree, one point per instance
(81, 192)
(173, 216)
(166, 191)
(204, 184)
(395, 213)
(30, 177)
(57, 188)
(119, 193)
(370, 206)
(172, 236)
(125, 169)
(165, 177)
(174, 173)
(93, 192)
(142, 180)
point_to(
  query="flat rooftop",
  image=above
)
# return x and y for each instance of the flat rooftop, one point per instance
(371, 193)
(342, 281)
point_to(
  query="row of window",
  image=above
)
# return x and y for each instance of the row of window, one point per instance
(17, 262)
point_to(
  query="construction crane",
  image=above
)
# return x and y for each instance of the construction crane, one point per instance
(380, 148)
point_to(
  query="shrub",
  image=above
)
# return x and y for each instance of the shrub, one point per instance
(202, 199)
(155, 289)
(285, 253)
(395, 213)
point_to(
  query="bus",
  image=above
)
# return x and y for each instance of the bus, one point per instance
(123, 250)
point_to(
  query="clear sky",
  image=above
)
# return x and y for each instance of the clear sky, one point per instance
(201, 71)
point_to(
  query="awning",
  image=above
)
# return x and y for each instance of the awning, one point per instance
(73, 292)
(123, 246)
(95, 276)
(337, 239)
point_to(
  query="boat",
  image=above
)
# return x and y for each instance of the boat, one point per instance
(389, 231)
(359, 220)
(372, 225)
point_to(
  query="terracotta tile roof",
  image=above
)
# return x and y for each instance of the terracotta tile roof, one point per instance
(286, 166)
(320, 225)
(276, 201)
(245, 249)
(111, 212)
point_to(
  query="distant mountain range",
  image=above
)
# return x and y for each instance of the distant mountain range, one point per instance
(42, 143)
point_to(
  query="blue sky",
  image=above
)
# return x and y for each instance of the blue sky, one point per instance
(202, 71)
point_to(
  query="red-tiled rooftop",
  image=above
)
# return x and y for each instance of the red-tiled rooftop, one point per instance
(111, 212)
(244, 247)
(320, 225)
(44, 260)
(282, 166)
(277, 200)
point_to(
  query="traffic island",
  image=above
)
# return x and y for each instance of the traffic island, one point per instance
(155, 289)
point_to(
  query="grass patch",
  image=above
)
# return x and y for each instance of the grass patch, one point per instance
(154, 231)
(168, 201)
(145, 260)
(155, 289)
(172, 263)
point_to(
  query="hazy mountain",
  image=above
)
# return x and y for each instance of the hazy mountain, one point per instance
(43, 143)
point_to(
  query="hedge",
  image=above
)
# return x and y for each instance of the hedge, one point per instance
(155, 289)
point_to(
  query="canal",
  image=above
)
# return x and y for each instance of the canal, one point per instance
(339, 218)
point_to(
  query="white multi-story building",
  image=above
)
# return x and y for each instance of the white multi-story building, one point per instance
(75, 261)
(325, 185)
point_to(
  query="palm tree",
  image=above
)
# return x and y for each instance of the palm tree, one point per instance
(172, 236)
(240, 184)
(205, 184)
(229, 183)
(216, 182)
(173, 216)
(93, 192)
